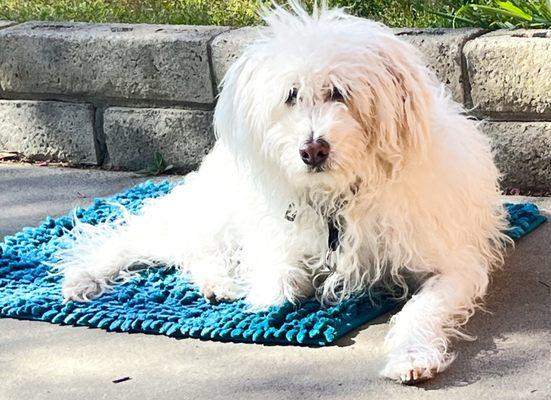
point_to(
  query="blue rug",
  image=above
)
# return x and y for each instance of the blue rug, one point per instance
(159, 301)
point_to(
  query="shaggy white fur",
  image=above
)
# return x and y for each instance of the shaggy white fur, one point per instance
(408, 180)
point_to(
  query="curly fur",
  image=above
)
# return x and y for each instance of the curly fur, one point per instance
(409, 182)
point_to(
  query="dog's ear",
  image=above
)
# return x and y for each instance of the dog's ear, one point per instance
(394, 105)
(235, 102)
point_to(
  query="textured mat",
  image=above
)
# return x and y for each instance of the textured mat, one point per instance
(159, 301)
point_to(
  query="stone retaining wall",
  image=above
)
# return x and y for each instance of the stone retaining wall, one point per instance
(113, 94)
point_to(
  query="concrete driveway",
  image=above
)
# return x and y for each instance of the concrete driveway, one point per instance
(510, 360)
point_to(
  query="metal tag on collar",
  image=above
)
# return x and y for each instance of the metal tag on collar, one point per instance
(291, 213)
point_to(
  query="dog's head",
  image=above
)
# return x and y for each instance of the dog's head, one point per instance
(326, 99)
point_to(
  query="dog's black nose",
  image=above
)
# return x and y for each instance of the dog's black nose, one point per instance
(314, 153)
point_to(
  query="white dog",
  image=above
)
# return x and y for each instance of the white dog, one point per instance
(340, 161)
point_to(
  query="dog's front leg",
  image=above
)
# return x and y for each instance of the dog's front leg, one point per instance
(271, 257)
(419, 337)
(280, 281)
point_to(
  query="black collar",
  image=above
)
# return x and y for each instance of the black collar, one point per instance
(333, 237)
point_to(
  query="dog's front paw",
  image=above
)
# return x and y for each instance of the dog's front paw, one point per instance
(81, 287)
(223, 290)
(411, 366)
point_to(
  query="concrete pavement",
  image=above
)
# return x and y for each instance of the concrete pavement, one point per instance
(510, 360)
(29, 193)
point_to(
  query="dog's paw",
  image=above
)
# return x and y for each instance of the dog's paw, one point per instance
(407, 373)
(411, 366)
(219, 291)
(81, 287)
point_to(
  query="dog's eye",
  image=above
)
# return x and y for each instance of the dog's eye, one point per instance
(292, 98)
(336, 95)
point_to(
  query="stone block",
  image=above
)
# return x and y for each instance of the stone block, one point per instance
(48, 130)
(522, 153)
(5, 24)
(510, 73)
(155, 63)
(133, 135)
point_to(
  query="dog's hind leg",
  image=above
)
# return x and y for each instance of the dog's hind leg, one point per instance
(186, 229)
(104, 255)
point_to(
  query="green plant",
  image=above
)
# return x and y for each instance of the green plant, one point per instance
(157, 166)
(402, 13)
(188, 12)
(498, 14)
(413, 13)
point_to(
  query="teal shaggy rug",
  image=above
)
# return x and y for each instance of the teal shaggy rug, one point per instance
(160, 301)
